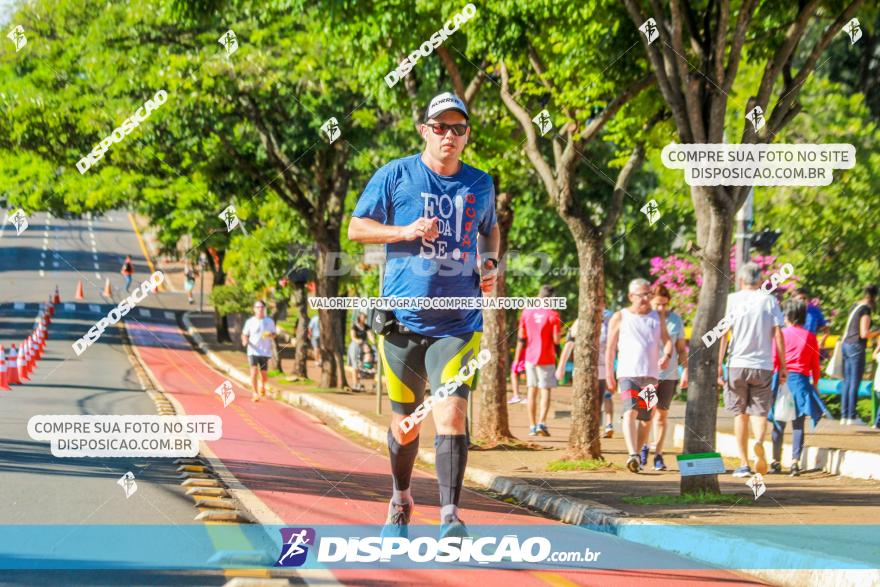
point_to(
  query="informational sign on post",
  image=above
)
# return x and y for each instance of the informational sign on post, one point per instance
(703, 463)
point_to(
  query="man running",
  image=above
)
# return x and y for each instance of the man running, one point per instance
(668, 376)
(256, 336)
(635, 336)
(127, 271)
(435, 214)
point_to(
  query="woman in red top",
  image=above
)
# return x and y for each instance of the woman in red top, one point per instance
(802, 361)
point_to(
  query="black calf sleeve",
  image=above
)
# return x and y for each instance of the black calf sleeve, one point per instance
(403, 458)
(452, 453)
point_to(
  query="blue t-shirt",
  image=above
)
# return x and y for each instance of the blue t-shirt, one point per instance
(403, 191)
(815, 319)
(675, 328)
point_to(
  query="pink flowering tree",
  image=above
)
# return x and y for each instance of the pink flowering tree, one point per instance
(683, 278)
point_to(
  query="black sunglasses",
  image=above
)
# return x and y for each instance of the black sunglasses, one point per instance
(441, 128)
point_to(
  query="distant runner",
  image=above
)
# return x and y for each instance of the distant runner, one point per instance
(256, 336)
(435, 215)
(127, 271)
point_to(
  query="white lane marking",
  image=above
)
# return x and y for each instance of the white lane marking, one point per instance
(94, 249)
(42, 273)
(55, 264)
(18, 305)
(95, 308)
(43, 255)
(95, 256)
(169, 315)
(69, 306)
(144, 312)
(97, 276)
(96, 266)
(42, 264)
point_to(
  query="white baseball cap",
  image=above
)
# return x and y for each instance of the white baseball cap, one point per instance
(443, 102)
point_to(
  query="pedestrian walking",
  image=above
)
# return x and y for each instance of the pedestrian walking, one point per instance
(435, 215)
(127, 271)
(360, 347)
(315, 338)
(802, 361)
(256, 337)
(517, 368)
(540, 330)
(638, 339)
(189, 281)
(669, 377)
(855, 344)
(748, 391)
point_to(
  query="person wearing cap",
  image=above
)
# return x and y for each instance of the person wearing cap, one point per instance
(436, 217)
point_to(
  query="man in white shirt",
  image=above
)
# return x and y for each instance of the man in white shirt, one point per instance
(636, 336)
(256, 337)
(757, 323)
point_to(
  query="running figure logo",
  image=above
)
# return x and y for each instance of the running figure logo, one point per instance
(19, 221)
(650, 30)
(854, 30)
(543, 121)
(757, 485)
(224, 390)
(330, 129)
(295, 546)
(756, 117)
(648, 394)
(652, 211)
(229, 41)
(16, 35)
(228, 216)
(128, 484)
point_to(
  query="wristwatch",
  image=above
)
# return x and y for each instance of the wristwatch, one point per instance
(494, 262)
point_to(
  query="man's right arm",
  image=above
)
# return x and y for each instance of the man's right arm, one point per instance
(244, 335)
(369, 231)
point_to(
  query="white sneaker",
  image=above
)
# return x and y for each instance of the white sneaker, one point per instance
(845, 421)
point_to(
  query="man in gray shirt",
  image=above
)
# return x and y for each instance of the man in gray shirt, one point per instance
(756, 325)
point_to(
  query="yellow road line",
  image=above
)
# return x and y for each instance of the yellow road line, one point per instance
(554, 579)
(143, 245)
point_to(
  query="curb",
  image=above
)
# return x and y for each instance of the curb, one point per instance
(597, 516)
(856, 464)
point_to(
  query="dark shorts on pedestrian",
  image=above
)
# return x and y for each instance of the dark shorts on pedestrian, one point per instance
(665, 393)
(748, 391)
(603, 389)
(629, 394)
(412, 362)
(258, 361)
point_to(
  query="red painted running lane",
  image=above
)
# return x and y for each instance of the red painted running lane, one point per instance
(310, 475)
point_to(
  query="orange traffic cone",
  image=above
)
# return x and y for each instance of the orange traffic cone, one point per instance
(21, 365)
(79, 291)
(50, 309)
(108, 292)
(57, 299)
(4, 378)
(28, 356)
(11, 369)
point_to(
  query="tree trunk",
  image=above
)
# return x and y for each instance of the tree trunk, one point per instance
(583, 440)
(714, 232)
(332, 321)
(221, 325)
(301, 348)
(493, 426)
(279, 315)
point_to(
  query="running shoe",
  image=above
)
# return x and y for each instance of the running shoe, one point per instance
(542, 430)
(659, 465)
(514, 400)
(743, 471)
(643, 455)
(533, 430)
(795, 470)
(453, 526)
(760, 461)
(255, 397)
(397, 524)
(632, 463)
(775, 468)
(609, 431)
